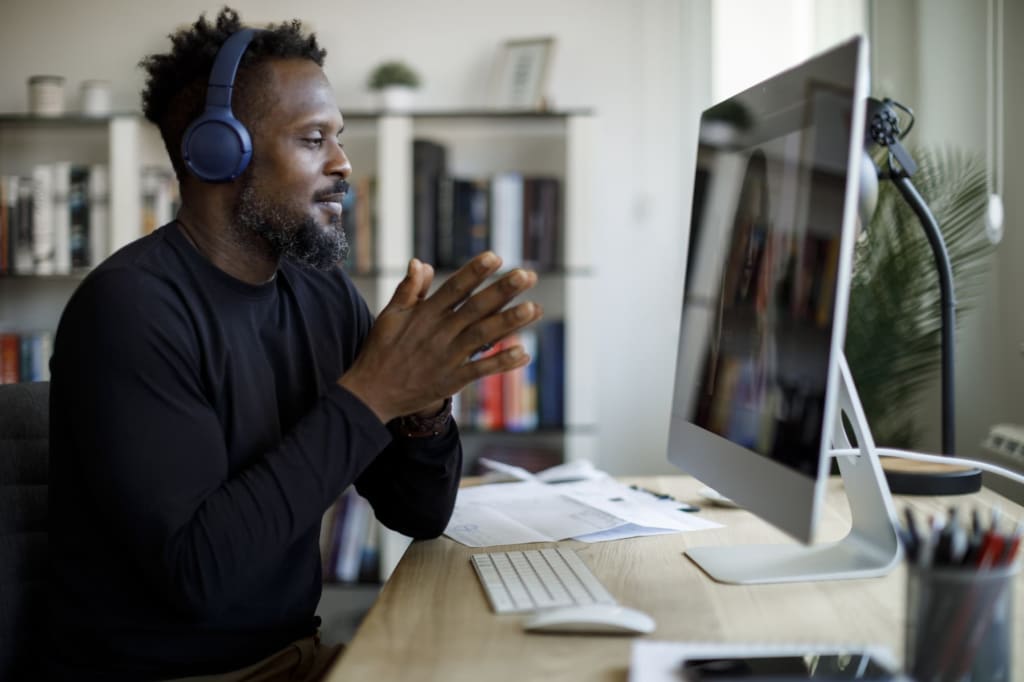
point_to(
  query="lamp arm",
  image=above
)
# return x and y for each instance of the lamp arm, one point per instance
(945, 272)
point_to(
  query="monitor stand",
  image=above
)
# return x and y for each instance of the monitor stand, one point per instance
(870, 549)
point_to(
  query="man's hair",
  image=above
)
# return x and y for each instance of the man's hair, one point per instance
(175, 91)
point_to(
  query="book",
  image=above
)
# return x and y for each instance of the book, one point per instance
(99, 213)
(352, 536)
(5, 237)
(541, 221)
(491, 396)
(61, 217)
(159, 189)
(429, 166)
(78, 216)
(44, 257)
(330, 542)
(10, 358)
(366, 218)
(551, 374)
(507, 218)
(21, 227)
(470, 221)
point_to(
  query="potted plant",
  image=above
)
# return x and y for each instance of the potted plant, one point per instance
(892, 337)
(395, 82)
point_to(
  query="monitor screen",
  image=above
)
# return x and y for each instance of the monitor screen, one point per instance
(764, 303)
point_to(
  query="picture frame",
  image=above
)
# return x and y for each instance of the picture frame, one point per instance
(521, 74)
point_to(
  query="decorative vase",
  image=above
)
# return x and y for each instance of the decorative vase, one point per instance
(396, 97)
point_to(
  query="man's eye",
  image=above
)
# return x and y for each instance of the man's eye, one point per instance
(313, 141)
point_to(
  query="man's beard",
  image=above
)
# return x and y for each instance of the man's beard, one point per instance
(289, 233)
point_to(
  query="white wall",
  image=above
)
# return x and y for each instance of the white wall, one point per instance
(642, 66)
(932, 56)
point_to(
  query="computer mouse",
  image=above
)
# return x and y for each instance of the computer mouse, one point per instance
(610, 619)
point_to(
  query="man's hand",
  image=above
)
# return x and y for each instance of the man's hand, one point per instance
(420, 348)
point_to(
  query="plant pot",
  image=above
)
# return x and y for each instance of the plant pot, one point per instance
(396, 98)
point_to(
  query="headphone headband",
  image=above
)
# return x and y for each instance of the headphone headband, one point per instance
(225, 66)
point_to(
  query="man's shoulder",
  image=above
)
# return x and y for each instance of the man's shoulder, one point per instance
(133, 275)
(146, 256)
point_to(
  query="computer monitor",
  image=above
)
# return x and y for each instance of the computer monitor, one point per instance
(760, 378)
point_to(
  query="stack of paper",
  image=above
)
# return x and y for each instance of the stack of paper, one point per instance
(592, 510)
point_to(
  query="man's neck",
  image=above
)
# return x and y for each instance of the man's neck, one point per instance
(225, 248)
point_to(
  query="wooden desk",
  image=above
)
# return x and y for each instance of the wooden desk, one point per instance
(432, 620)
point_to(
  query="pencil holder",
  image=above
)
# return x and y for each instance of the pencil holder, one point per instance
(960, 624)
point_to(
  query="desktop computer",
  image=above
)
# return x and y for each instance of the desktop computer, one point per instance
(761, 385)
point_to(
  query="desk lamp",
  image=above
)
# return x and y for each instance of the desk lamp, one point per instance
(882, 127)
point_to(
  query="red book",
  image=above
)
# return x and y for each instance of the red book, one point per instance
(9, 358)
(492, 388)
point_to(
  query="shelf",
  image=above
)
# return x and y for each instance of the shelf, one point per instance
(69, 119)
(75, 275)
(588, 429)
(465, 113)
(73, 118)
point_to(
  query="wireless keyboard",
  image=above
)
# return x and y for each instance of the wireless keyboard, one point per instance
(523, 581)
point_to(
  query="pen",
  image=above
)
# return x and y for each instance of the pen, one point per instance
(1013, 544)
(913, 539)
(683, 506)
(976, 523)
(944, 543)
(991, 550)
(975, 540)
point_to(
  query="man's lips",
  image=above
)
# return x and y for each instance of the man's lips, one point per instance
(331, 203)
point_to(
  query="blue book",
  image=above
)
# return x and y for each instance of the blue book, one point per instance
(551, 374)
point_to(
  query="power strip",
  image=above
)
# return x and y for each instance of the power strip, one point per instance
(1004, 446)
(1006, 440)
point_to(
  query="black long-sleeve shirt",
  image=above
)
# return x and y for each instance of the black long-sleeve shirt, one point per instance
(197, 437)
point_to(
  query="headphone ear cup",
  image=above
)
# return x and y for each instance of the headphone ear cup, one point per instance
(216, 147)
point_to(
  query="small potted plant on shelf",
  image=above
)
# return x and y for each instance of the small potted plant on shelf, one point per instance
(395, 82)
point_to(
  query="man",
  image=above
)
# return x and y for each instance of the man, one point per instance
(217, 384)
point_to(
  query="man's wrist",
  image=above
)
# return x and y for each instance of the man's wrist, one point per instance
(426, 424)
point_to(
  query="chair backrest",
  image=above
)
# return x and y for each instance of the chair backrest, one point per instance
(24, 468)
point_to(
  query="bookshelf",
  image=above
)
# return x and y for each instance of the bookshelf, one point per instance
(120, 146)
(479, 144)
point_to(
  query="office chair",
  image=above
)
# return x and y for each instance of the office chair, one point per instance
(24, 467)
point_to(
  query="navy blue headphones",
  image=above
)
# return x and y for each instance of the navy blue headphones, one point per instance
(216, 146)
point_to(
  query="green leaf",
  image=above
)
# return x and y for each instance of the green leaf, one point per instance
(894, 322)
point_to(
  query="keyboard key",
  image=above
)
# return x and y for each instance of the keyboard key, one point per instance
(522, 581)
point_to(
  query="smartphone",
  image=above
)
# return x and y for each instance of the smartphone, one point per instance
(780, 668)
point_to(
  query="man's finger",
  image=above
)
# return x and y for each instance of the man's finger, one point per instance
(487, 332)
(427, 280)
(505, 360)
(408, 291)
(461, 285)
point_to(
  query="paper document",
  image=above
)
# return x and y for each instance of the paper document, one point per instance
(591, 510)
(513, 513)
(577, 470)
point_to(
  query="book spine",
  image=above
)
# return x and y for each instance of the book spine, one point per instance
(78, 214)
(62, 217)
(43, 242)
(10, 362)
(507, 218)
(551, 374)
(22, 249)
(99, 213)
(429, 167)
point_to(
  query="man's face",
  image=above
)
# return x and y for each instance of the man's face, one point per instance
(291, 193)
